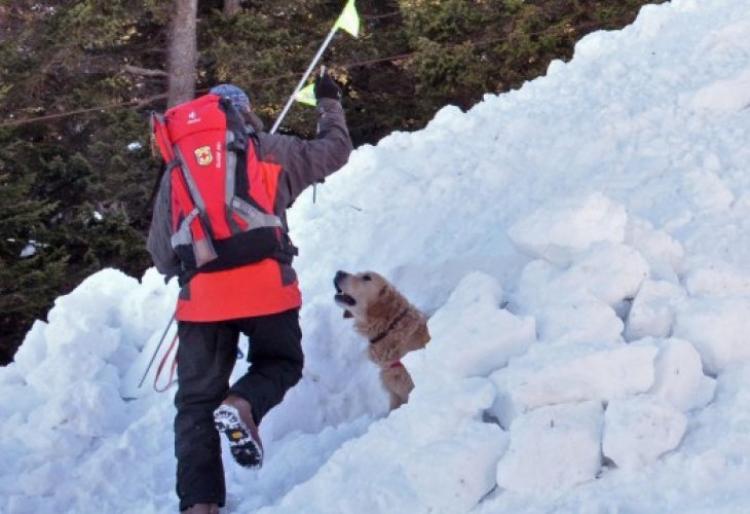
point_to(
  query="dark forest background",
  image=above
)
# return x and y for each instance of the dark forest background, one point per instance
(79, 77)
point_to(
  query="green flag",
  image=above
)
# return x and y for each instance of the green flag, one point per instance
(307, 96)
(349, 19)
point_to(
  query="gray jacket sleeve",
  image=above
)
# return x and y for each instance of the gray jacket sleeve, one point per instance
(305, 162)
(159, 239)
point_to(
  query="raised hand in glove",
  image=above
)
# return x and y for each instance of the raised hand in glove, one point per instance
(326, 87)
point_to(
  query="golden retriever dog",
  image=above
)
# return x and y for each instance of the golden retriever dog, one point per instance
(390, 323)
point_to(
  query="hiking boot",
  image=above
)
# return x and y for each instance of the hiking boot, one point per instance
(202, 508)
(234, 419)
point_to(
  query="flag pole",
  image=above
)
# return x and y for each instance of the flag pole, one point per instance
(302, 81)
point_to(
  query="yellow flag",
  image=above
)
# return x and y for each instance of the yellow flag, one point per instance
(349, 19)
(307, 96)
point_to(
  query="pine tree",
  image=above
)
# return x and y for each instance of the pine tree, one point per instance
(30, 274)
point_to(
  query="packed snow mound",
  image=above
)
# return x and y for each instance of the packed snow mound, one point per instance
(582, 247)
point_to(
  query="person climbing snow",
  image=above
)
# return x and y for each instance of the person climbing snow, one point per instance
(219, 224)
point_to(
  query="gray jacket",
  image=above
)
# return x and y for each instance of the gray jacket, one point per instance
(302, 162)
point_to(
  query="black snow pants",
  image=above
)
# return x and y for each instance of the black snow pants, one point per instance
(206, 356)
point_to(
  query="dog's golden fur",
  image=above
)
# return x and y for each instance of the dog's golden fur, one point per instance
(390, 323)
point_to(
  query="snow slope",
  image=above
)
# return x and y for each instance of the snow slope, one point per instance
(582, 246)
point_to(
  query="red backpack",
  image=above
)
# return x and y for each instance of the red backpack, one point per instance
(222, 211)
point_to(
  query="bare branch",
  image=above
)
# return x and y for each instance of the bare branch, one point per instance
(145, 72)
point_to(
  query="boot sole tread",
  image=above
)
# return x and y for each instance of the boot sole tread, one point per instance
(245, 450)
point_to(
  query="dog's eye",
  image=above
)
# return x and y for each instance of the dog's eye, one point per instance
(366, 278)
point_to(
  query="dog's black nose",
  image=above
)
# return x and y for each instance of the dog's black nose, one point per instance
(340, 275)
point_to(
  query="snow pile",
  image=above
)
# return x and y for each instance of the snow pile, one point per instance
(583, 392)
(581, 246)
(62, 398)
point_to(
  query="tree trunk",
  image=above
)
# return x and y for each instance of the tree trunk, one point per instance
(183, 52)
(231, 7)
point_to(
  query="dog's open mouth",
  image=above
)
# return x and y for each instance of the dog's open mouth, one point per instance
(341, 298)
(345, 299)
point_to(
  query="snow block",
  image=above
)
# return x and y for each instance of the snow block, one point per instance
(564, 309)
(680, 381)
(718, 327)
(556, 374)
(579, 321)
(652, 312)
(663, 253)
(453, 475)
(471, 335)
(611, 272)
(562, 229)
(553, 448)
(638, 430)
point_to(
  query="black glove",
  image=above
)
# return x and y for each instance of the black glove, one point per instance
(326, 87)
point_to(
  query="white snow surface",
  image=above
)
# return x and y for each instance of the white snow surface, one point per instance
(582, 246)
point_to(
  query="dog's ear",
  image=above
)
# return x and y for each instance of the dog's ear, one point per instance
(385, 306)
(348, 314)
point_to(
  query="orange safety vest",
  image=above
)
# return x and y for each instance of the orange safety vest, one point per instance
(247, 291)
